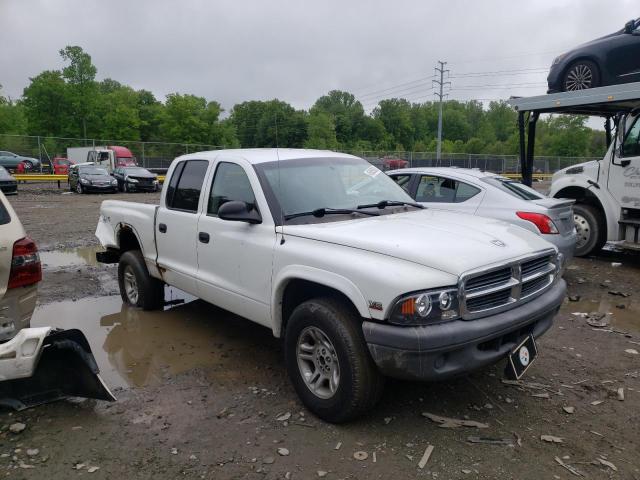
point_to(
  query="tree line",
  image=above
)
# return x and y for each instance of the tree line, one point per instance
(72, 103)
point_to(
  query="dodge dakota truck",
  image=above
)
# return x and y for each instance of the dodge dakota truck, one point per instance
(337, 260)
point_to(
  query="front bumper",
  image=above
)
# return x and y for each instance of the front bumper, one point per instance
(100, 188)
(136, 187)
(436, 352)
(554, 80)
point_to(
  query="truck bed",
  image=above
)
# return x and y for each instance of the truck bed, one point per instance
(139, 217)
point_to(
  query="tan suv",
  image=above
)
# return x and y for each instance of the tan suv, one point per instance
(20, 272)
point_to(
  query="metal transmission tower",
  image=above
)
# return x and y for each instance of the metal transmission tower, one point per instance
(440, 94)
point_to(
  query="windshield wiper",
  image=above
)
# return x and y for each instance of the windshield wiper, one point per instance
(321, 212)
(390, 203)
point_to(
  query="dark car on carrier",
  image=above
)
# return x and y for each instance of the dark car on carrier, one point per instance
(135, 179)
(609, 60)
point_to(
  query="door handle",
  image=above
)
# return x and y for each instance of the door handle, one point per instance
(203, 237)
(162, 227)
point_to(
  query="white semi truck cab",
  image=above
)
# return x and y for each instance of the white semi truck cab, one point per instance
(607, 191)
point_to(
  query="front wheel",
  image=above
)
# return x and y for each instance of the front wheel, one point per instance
(328, 361)
(79, 188)
(137, 287)
(581, 76)
(591, 230)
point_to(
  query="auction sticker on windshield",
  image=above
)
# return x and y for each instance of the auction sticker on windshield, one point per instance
(521, 358)
(372, 171)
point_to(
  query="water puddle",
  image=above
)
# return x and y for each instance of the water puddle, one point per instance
(135, 348)
(626, 319)
(70, 258)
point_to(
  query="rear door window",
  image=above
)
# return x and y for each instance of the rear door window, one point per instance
(185, 186)
(444, 190)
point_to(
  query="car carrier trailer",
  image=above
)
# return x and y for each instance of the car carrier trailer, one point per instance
(606, 191)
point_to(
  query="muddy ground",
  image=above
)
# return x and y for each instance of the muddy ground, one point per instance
(200, 390)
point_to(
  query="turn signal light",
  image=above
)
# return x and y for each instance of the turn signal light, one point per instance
(545, 224)
(408, 307)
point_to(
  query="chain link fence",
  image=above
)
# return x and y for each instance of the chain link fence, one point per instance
(158, 155)
(155, 155)
(489, 162)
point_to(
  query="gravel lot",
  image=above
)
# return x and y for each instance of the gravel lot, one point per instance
(203, 393)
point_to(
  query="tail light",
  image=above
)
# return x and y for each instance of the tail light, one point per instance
(25, 264)
(544, 223)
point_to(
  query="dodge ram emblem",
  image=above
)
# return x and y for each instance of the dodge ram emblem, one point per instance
(498, 243)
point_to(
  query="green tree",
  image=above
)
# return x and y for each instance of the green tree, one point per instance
(321, 131)
(12, 117)
(48, 106)
(347, 114)
(395, 115)
(80, 75)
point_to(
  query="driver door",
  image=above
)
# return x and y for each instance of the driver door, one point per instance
(624, 171)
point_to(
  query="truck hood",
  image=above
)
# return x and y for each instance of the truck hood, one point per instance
(448, 241)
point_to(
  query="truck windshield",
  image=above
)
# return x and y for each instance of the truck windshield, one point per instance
(304, 185)
(514, 188)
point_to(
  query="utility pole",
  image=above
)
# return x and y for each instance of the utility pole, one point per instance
(440, 94)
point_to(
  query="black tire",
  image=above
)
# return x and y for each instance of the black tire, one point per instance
(360, 383)
(581, 75)
(591, 228)
(79, 188)
(150, 291)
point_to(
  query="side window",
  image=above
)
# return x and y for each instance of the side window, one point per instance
(464, 192)
(631, 145)
(229, 183)
(185, 186)
(444, 190)
(436, 189)
(402, 180)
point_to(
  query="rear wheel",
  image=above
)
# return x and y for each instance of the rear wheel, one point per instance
(591, 230)
(137, 287)
(581, 75)
(328, 361)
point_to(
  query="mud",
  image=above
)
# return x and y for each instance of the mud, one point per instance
(200, 390)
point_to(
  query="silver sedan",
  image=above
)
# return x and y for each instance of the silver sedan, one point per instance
(489, 195)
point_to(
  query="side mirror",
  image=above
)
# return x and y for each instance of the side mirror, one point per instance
(630, 26)
(236, 211)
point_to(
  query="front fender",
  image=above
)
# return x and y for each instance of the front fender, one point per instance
(316, 275)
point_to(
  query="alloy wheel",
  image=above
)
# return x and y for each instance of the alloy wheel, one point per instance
(130, 285)
(318, 362)
(580, 77)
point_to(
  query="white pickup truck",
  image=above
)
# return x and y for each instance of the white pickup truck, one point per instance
(359, 281)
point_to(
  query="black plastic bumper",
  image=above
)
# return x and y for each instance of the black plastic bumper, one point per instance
(436, 352)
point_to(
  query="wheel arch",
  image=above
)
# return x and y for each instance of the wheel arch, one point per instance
(128, 238)
(300, 283)
(587, 196)
(580, 57)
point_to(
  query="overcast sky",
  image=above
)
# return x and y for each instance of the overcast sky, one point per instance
(297, 50)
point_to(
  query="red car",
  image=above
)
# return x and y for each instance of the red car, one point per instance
(394, 163)
(61, 165)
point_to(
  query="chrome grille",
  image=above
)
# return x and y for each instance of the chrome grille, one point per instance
(498, 288)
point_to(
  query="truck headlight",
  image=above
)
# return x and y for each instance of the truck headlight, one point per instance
(421, 308)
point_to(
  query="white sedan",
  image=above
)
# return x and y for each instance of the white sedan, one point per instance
(489, 195)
